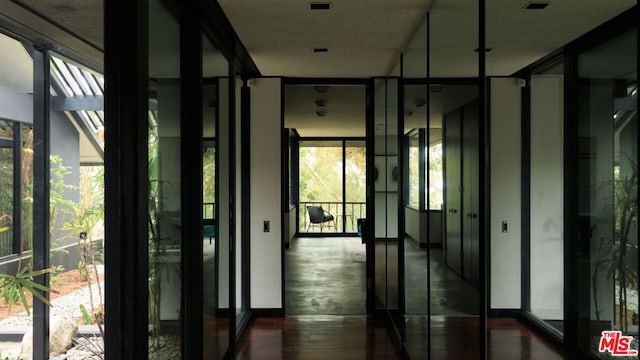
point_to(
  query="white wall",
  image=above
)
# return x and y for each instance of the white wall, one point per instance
(266, 188)
(547, 245)
(505, 125)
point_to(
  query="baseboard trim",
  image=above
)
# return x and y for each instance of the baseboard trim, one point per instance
(268, 312)
(503, 313)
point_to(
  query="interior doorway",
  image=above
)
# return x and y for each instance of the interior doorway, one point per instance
(325, 257)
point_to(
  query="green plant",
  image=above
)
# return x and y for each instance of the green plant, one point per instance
(85, 315)
(82, 270)
(615, 252)
(12, 287)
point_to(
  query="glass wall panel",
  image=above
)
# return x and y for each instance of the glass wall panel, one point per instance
(454, 120)
(76, 193)
(414, 166)
(241, 300)
(165, 210)
(380, 175)
(607, 193)
(546, 205)
(16, 88)
(388, 184)
(215, 242)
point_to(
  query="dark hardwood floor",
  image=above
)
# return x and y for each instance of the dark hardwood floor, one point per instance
(325, 304)
(317, 337)
(359, 337)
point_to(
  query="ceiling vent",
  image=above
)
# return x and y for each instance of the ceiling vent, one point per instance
(536, 5)
(320, 50)
(320, 6)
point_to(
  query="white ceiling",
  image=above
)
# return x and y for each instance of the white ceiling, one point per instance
(345, 111)
(363, 36)
(364, 39)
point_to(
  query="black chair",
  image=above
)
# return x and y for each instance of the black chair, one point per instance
(320, 217)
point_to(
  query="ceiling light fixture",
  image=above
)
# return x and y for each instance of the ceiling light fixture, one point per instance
(419, 102)
(435, 88)
(408, 113)
(321, 113)
(321, 88)
(536, 5)
(322, 102)
(320, 50)
(320, 6)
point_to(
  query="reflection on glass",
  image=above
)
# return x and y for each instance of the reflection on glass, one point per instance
(215, 195)
(435, 194)
(413, 200)
(546, 204)
(608, 191)
(392, 156)
(164, 185)
(16, 172)
(380, 175)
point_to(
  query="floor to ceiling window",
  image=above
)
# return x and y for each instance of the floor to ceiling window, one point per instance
(607, 194)
(332, 176)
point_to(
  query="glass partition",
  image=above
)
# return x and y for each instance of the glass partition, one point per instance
(165, 209)
(454, 121)
(607, 193)
(215, 241)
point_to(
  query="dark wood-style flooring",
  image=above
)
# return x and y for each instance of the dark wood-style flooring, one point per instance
(358, 337)
(325, 305)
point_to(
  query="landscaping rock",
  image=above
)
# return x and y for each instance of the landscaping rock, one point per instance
(61, 334)
(63, 331)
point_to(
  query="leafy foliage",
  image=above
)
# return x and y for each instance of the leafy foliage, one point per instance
(12, 287)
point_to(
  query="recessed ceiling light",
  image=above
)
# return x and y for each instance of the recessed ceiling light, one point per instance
(320, 50)
(321, 113)
(536, 5)
(321, 88)
(408, 113)
(419, 102)
(322, 102)
(320, 6)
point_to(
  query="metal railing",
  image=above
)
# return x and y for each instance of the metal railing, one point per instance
(346, 216)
